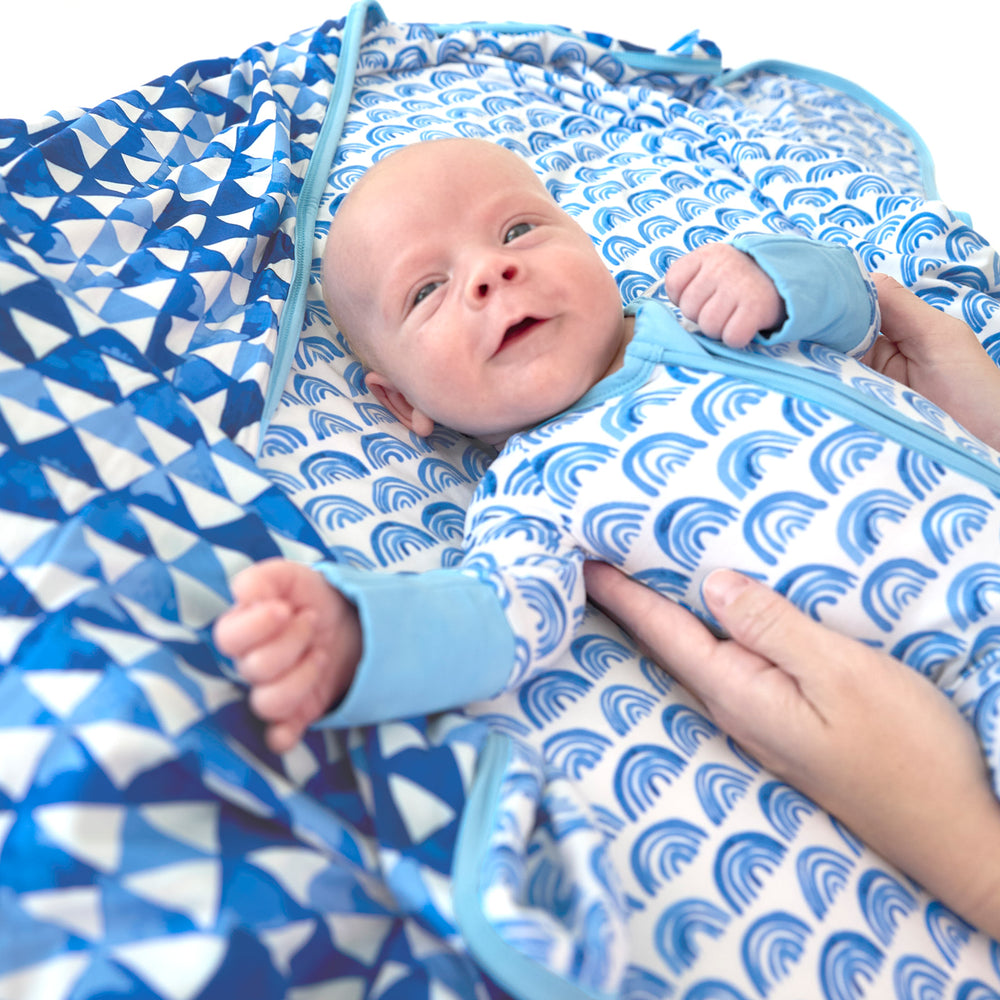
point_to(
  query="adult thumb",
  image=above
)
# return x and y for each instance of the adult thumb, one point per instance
(763, 621)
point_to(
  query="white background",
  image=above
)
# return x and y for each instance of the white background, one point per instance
(938, 65)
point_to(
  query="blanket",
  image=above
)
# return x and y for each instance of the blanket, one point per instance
(174, 405)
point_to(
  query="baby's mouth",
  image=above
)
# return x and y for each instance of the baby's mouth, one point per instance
(518, 330)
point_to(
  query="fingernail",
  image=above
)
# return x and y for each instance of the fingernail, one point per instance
(722, 586)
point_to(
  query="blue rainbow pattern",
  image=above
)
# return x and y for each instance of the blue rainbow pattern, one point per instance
(826, 516)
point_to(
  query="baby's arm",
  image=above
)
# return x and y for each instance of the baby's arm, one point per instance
(295, 639)
(777, 288)
(726, 293)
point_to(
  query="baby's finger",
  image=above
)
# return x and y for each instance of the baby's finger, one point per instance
(282, 736)
(715, 315)
(694, 300)
(266, 580)
(679, 274)
(245, 626)
(294, 694)
(280, 652)
(742, 325)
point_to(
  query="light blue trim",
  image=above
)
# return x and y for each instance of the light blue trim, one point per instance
(827, 300)
(634, 373)
(432, 641)
(773, 373)
(852, 89)
(307, 207)
(643, 60)
(510, 968)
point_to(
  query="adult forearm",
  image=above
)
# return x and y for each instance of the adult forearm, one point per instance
(954, 853)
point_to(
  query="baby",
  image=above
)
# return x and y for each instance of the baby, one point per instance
(474, 301)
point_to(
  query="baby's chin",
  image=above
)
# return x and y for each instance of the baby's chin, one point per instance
(496, 441)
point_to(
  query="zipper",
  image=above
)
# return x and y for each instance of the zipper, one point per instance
(307, 206)
(826, 390)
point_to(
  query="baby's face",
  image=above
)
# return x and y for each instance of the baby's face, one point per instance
(478, 302)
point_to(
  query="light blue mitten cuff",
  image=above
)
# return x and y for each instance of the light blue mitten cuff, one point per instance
(432, 641)
(828, 295)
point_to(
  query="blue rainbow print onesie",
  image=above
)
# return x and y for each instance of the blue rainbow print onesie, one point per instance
(789, 460)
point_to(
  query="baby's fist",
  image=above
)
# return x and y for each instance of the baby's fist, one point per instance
(726, 293)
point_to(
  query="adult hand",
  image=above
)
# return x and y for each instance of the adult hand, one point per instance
(937, 355)
(866, 737)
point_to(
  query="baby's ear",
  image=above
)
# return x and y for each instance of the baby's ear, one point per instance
(400, 407)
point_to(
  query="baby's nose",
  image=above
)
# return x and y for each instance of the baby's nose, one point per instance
(506, 273)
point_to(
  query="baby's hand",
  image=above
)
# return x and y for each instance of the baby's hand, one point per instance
(295, 639)
(726, 293)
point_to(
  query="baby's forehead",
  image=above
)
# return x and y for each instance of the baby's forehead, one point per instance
(433, 167)
(405, 194)
(400, 196)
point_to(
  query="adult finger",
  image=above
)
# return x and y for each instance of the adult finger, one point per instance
(747, 696)
(764, 622)
(675, 638)
(655, 621)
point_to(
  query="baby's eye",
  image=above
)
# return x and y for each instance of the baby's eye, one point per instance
(424, 291)
(519, 229)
